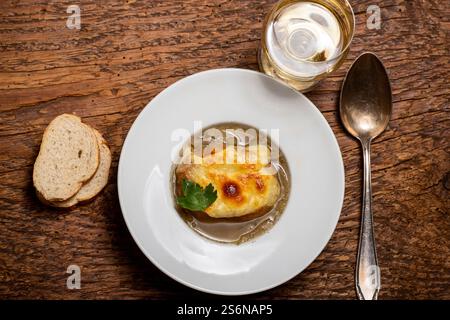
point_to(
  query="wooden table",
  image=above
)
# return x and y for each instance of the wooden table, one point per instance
(126, 53)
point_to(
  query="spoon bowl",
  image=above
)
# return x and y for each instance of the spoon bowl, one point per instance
(366, 101)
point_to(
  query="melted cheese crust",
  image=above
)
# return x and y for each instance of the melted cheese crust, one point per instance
(242, 188)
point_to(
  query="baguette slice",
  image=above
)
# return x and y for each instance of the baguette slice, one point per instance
(68, 157)
(96, 183)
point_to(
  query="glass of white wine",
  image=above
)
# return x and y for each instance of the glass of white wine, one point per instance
(304, 41)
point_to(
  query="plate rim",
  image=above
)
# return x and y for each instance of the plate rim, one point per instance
(189, 284)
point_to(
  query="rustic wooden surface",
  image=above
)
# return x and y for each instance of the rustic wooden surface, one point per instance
(127, 52)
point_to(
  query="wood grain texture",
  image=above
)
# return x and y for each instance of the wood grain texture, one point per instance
(127, 52)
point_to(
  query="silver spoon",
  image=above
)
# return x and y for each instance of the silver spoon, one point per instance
(365, 109)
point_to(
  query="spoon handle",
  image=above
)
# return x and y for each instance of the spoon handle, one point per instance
(367, 270)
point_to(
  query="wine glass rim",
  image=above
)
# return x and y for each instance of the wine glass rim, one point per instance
(353, 18)
(344, 49)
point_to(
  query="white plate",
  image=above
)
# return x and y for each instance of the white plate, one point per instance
(317, 178)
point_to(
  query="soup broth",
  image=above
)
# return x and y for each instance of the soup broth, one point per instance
(237, 229)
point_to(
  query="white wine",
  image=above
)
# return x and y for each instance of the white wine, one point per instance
(302, 33)
(303, 41)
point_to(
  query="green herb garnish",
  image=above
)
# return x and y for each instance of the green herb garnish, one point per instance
(196, 198)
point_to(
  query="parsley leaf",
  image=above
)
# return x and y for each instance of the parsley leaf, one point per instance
(196, 198)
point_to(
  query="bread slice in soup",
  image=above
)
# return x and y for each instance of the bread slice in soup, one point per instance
(244, 186)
